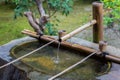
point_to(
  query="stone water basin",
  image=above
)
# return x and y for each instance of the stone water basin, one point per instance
(43, 63)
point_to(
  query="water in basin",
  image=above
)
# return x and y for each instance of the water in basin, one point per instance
(43, 61)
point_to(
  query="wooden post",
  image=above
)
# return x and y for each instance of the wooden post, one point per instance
(102, 46)
(98, 27)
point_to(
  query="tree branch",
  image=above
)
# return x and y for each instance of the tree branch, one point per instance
(40, 7)
(53, 13)
(33, 23)
(44, 18)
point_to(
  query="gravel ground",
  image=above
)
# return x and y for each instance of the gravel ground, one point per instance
(111, 35)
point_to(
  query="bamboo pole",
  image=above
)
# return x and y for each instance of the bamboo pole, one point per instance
(98, 27)
(78, 30)
(30, 31)
(30, 34)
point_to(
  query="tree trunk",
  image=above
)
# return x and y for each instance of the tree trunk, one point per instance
(38, 26)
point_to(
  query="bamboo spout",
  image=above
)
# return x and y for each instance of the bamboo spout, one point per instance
(61, 33)
(78, 30)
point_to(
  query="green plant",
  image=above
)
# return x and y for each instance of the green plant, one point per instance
(50, 29)
(65, 6)
(112, 8)
(49, 7)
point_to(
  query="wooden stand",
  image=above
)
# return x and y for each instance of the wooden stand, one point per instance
(82, 47)
(98, 27)
(102, 46)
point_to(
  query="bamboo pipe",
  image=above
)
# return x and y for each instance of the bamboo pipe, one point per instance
(30, 34)
(78, 30)
(26, 30)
